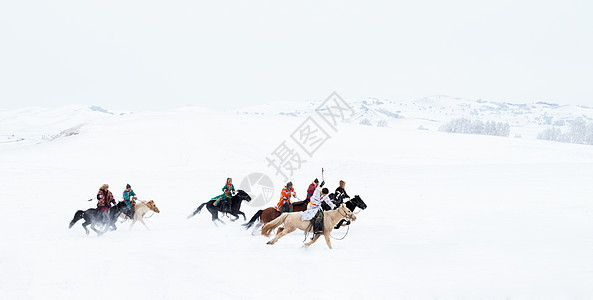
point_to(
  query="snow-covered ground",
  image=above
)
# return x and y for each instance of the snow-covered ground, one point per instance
(449, 216)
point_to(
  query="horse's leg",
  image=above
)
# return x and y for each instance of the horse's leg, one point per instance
(236, 217)
(94, 229)
(214, 212)
(84, 225)
(339, 224)
(102, 231)
(142, 221)
(241, 213)
(219, 220)
(327, 239)
(133, 222)
(315, 237)
(215, 218)
(284, 232)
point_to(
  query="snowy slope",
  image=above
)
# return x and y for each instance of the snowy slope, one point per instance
(449, 216)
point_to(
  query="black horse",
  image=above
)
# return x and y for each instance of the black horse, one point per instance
(351, 204)
(234, 209)
(94, 217)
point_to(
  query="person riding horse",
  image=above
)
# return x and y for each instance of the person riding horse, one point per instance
(314, 211)
(130, 200)
(226, 196)
(340, 193)
(312, 188)
(285, 205)
(104, 199)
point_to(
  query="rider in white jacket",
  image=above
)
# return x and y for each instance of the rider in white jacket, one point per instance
(319, 196)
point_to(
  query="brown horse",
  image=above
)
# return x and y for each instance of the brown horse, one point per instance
(270, 213)
(293, 221)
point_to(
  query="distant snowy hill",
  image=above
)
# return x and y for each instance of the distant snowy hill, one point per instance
(431, 112)
(36, 124)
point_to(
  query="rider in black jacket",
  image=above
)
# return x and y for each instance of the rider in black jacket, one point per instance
(341, 193)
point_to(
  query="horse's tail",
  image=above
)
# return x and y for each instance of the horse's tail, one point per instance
(270, 226)
(77, 216)
(197, 211)
(255, 217)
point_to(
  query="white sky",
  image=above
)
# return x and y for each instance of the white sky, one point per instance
(228, 54)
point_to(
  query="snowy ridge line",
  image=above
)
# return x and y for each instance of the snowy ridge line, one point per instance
(441, 109)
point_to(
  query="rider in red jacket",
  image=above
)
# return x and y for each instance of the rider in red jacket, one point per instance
(105, 198)
(312, 188)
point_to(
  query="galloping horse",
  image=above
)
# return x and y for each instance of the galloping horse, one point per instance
(94, 217)
(293, 221)
(270, 213)
(235, 207)
(140, 210)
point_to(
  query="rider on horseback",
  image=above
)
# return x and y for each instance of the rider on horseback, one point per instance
(340, 193)
(225, 197)
(130, 200)
(312, 188)
(285, 205)
(105, 199)
(314, 211)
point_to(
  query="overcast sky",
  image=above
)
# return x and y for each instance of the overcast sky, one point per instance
(227, 54)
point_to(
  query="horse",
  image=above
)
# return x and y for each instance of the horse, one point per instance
(352, 204)
(293, 221)
(235, 207)
(140, 210)
(270, 213)
(94, 217)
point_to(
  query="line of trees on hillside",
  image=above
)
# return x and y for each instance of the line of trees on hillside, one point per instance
(463, 125)
(579, 132)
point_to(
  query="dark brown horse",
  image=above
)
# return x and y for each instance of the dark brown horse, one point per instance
(270, 213)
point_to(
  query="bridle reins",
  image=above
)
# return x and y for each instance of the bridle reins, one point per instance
(346, 215)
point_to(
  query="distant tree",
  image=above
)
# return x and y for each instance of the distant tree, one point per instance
(550, 134)
(579, 132)
(365, 122)
(467, 126)
(382, 123)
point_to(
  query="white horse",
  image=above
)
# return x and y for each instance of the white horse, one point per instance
(292, 221)
(140, 210)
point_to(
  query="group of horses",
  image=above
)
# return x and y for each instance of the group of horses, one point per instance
(267, 219)
(106, 221)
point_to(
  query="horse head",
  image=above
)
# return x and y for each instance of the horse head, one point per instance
(241, 194)
(346, 213)
(358, 202)
(152, 206)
